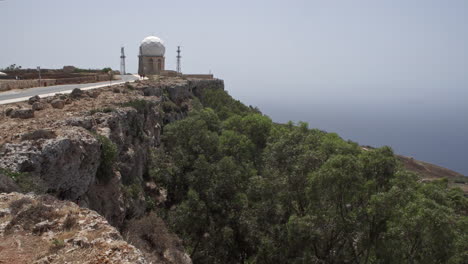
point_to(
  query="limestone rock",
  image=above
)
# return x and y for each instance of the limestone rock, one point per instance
(7, 184)
(66, 165)
(57, 103)
(35, 234)
(21, 113)
(93, 93)
(34, 99)
(38, 106)
(39, 134)
(76, 93)
(8, 111)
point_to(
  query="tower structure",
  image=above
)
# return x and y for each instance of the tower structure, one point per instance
(178, 60)
(122, 61)
(151, 58)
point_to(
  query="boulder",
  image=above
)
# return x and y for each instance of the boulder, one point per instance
(7, 184)
(57, 103)
(39, 134)
(22, 113)
(93, 93)
(38, 106)
(8, 111)
(76, 93)
(34, 99)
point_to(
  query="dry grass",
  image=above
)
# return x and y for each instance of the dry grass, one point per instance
(31, 216)
(17, 205)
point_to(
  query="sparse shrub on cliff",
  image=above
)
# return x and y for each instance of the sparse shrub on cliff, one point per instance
(129, 86)
(150, 231)
(133, 191)
(70, 222)
(101, 110)
(31, 216)
(169, 106)
(56, 245)
(108, 157)
(17, 205)
(25, 182)
(140, 105)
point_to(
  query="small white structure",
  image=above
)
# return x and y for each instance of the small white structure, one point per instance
(3, 74)
(151, 58)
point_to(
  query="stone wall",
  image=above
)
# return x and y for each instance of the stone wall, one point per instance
(198, 76)
(6, 85)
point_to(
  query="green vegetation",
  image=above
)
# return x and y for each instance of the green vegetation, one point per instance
(133, 190)
(129, 86)
(56, 245)
(12, 67)
(107, 70)
(169, 106)
(25, 182)
(102, 110)
(108, 157)
(140, 105)
(242, 189)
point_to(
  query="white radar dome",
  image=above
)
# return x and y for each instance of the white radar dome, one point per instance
(152, 46)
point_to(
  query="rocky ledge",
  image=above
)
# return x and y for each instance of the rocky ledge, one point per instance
(42, 229)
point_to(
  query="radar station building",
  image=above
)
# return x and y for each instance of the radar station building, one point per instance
(151, 59)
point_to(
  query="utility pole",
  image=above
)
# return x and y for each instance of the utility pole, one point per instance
(122, 61)
(178, 60)
(39, 70)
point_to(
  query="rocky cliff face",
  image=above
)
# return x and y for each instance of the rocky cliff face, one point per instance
(95, 149)
(42, 229)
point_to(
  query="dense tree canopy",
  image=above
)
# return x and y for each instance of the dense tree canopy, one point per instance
(242, 189)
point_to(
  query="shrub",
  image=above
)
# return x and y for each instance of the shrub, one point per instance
(169, 106)
(17, 205)
(70, 222)
(25, 182)
(129, 86)
(151, 232)
(101, 110)
(57, 244)
(31, 216)
(133, 190)
(139, 104)
(108, 157)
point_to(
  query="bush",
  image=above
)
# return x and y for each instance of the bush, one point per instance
(101, 110)
(57, 244)
(169, 106)
(25, 182)
(108, 157)
(139, 104)
(17, 205)
(129, 86)
(151, 232)
(70, 222)
(133, 190)
(31, 216)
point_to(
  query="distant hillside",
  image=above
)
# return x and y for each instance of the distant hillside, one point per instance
(431, 172)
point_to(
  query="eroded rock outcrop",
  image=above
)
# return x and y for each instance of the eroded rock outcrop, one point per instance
(64, 151)
(42, 229)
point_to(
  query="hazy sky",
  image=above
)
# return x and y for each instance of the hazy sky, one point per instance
(339, 46)
(339, 56)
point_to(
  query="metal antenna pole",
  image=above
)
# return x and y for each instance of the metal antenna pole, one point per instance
(178, 60)
(122, 61)
(40, 79)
